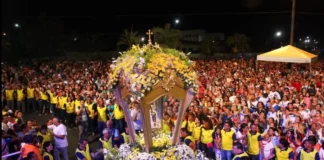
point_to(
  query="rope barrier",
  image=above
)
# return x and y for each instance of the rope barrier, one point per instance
(11, 154)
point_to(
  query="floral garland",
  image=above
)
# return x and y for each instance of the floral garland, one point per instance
(179, 152)
(160, 139)
(162, 150)
(141, 67)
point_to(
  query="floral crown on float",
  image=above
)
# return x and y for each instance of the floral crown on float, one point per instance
(140, 68)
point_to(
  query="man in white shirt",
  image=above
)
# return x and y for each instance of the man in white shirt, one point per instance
(61, 143)
(4, 123)
(137, 118)
(272, 113)
(268, 146)
(274, 94)
(264, 99)
(304, 111)
(252, 101)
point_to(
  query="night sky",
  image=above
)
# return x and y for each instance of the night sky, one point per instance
(213, 16)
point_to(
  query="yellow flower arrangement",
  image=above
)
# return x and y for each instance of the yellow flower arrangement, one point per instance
(141, 67)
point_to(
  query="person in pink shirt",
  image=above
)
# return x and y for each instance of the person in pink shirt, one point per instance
(307, 100)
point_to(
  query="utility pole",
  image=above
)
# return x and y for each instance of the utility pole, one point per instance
(292, 22)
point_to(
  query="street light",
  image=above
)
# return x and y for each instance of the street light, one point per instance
(4, 33)
(278, 34)
(143, 39)
(17, 25)
(177, 21)
(75, 38)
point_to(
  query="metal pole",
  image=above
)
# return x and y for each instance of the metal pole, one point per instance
(292, 22)
(310, 68)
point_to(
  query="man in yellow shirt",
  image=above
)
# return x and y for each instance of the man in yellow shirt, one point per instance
(238, 152)
(20, 96)
(254, 143)
(308, 152)
(62, 99)
(228, 137)
(282, 151)
(70, 112)
(92, 108)
(44, 135)
(43, 101)
(187, 138)
(84, 152)
(166, 123)
(119, 119)
(102, 117)
(31, 103)
(10, 97)
(53, 102)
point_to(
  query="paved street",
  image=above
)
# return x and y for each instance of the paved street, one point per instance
(73, 135)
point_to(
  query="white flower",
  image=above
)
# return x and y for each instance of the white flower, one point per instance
(201, 156)
(124, 150)
(145, 156)
(133, 87)
(142, 60)
(184, 152)
(107, 153)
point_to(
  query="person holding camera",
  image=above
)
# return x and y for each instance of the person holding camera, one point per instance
(137, 118)
(82, 113)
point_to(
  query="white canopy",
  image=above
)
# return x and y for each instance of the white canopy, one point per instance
(288, 54)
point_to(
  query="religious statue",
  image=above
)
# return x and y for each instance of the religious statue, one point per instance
(153, 115)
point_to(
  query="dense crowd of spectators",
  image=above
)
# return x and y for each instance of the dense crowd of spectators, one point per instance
(264, 111)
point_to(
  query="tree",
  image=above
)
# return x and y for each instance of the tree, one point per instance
(208, 47)
(128, 38)
(239, 43)
(167, 36)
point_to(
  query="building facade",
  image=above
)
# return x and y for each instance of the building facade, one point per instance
(191, 39)
(193, 35)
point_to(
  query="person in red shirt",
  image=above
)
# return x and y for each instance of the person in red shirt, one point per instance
(297, 85)
(201, 92)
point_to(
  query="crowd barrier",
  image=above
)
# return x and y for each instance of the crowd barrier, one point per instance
(11, 154)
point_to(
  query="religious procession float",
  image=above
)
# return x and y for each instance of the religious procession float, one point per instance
(145, 74)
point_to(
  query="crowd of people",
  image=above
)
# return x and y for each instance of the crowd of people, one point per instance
(243, 110)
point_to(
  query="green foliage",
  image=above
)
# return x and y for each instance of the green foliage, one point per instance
(148, 51)
(208, 46)
(167, 36)
(129, 38)
(239, 43)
